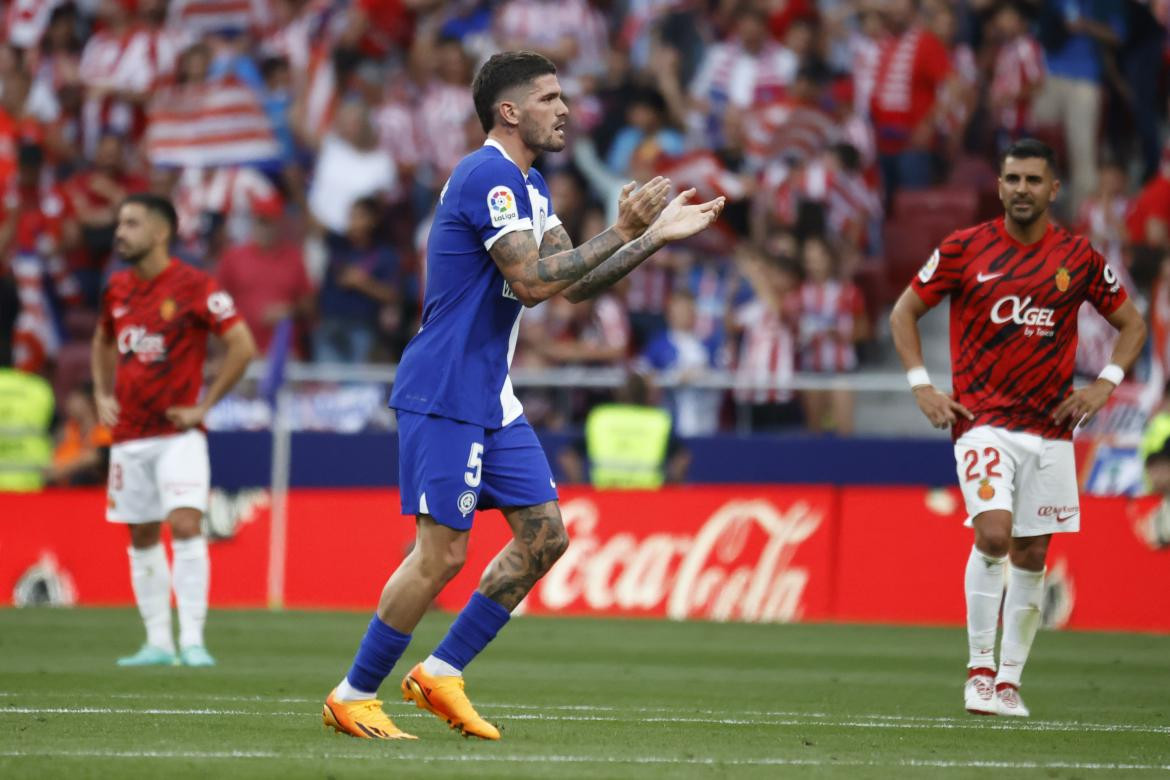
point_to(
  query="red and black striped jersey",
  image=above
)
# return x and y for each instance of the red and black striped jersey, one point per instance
(1014, 320)
(160, 326)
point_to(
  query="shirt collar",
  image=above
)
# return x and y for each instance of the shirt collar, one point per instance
(500, 148)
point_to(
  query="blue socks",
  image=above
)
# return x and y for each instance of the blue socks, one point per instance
(380, 649)
(476, 625)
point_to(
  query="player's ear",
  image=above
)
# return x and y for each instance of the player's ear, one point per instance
(509, 112)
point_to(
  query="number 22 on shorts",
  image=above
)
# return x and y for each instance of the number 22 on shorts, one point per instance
(990, 462)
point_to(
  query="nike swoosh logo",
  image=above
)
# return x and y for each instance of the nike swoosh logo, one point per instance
(1060, 519)
(552, 483)
(982, 277)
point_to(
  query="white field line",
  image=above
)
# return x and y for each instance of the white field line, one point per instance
(617, 716)
(668, 713)
(569, 759)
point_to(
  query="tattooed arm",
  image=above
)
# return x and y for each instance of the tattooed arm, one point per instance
(614, 268)
(678, 220)
(536, 274)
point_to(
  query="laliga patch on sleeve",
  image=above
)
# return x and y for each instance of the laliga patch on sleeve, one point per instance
(502, 206)
(928, 269)
(220, 304)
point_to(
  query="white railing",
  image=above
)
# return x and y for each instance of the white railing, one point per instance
(600, 378)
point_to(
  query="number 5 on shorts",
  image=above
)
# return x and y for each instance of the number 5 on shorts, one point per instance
(474, 466)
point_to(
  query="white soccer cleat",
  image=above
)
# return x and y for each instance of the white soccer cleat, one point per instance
(979, 692)
(1008, 701)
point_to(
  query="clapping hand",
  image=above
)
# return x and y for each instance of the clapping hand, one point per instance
(682, 219)
(638, 207)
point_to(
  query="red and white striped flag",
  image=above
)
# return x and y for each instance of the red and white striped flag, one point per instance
(209, 125)
(200, 17)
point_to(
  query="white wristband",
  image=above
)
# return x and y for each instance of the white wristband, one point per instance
(917, 377)
(1112, 373)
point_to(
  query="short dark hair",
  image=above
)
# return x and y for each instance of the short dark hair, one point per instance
(157, 205)
(1030, 147)
(502, 72)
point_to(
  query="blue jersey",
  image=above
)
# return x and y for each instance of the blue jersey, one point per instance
(457, 364)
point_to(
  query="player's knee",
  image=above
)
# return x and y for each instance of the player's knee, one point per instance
(186, 523)
(1030, 556)
(145, 535)
(556, 543)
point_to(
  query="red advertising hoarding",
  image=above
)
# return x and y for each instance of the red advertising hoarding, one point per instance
(745, 553)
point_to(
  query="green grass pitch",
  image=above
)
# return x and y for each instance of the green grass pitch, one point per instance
(577, 698)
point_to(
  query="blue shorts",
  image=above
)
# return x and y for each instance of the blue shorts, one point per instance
(448, 469)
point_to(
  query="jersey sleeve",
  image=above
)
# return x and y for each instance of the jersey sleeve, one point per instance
(106, 317)
(552, 220)
(1104, 290)
(941, 274)
(494, 200)
(215, 309)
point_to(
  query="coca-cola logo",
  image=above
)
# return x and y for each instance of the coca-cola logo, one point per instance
(738, 565)
(149, 347)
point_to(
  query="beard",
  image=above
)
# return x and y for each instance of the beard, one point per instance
(545, 141)
(1033, 215)
(132, 255)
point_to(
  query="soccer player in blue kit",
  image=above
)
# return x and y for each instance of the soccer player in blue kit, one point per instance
(496, 246)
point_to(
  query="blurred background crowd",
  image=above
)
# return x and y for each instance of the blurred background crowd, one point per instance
(304, 143)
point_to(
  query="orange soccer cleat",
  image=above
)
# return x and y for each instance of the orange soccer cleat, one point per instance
(363, 719)
(444, 696)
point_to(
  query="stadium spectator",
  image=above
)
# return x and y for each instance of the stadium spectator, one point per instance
(1101, 217)
(350, 165)
(359, 283)
(1142, 57)
(83, 442)
(1078, 36)
(745, 71)
(680, 353)
(94, 196)
(628, 444)
(1148, 220)
(121, 63)
(832, 322)
(266, 275)
(447, 126)
(645, 136)
(1155, 455)
(913, 69)
(1017, 75)
(765, 331)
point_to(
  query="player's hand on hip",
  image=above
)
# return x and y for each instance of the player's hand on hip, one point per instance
(681, 218)
(107, 408)
(939, 408)
(1083, 404)
(638, 207)
(184, 417)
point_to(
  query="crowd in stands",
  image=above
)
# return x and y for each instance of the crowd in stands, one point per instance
(304, 143)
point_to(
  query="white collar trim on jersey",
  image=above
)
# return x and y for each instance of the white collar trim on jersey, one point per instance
(497, 145)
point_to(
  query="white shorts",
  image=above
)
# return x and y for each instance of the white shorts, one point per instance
(1032, 477)
(151, 477)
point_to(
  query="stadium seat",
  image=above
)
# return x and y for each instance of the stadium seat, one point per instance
(80, 324)
(73, 368)
(909, 243)
(960, 204)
